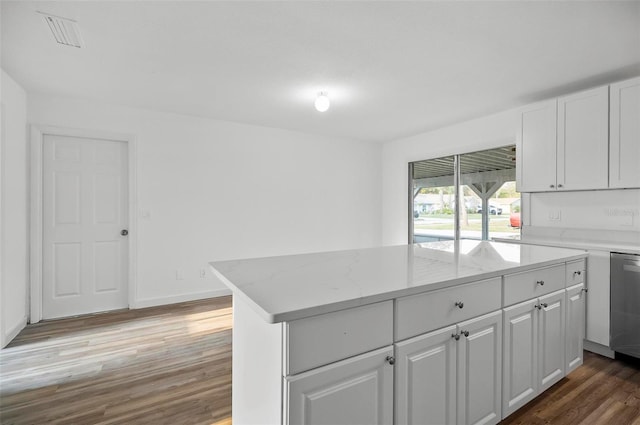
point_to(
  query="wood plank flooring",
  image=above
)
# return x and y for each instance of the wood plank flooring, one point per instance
(172, 365)
(602, 391)
(160, 365)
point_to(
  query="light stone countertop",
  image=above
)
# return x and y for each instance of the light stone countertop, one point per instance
(296, 286)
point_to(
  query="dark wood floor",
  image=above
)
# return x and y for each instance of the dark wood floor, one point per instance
(161, 365)
(172, 365)
(601, 391)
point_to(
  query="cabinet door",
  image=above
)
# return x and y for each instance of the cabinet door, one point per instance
(480, 370)
(551, 342)
(536, 148)
(583, 140)
(358, 390)
(426, 379)
(624, 154)
(520, 356)
(598, 297)
(575, 327)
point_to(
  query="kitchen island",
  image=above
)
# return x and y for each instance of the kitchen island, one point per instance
(443, 332)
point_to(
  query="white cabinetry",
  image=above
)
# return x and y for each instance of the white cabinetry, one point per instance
(452, 375)
(426, 378)
(575, 327)
(562, 144)
(466, 354)
(624, 134)
(583, 140)
(533, 348)
(480, 370)
(536, 147)
(551, 331)
(598, 298)
(358, 390)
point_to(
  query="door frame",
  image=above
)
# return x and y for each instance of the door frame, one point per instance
(37, 134)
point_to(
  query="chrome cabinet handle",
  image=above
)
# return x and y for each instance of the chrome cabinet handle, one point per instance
(459, 304)
(537, 306)
(559, 185)
(585, 289)
(577, 272)
(124, 232)
(455, 336)
(465, 333)
(540, 282)
(545, 305)
(551, 186)
(391, 360)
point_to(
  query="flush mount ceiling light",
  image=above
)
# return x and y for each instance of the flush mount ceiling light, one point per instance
(65, 31)
(322, 102)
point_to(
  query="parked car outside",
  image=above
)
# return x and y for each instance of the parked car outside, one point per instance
(492, 210)
(514, 217)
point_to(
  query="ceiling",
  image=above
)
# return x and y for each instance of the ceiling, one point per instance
(392, 69)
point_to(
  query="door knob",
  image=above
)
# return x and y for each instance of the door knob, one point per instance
(459, 304)
(391, 360)
(124, 232)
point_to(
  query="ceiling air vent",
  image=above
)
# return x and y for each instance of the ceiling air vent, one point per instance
(64, 30)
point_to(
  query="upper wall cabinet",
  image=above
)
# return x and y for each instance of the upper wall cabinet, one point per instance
(624, 139)
(562, 144)
(536, 147)
(583, 140)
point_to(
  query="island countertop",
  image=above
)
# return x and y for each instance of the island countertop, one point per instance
(292, 287)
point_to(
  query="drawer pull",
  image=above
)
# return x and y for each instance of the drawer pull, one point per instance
(545, 305)
(459, 304)
(577, 272)
(540, 282)
(455, 336)
(585, 289)
(465, 333)
(537, 306)
(391, 360)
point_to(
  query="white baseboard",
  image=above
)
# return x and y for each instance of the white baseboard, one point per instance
(152, 302)
(594, 347)
(12, 333)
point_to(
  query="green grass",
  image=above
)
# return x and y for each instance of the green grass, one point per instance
(496, 223)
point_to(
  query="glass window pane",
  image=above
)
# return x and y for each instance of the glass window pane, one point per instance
(487, 181)
(434, 200)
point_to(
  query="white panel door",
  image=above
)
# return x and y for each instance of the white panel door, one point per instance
(624, 135)
(426, 379)
(356, 391)
(575, 327)
(583, 140)
(551, 342)
(480, 370)
(520, 356)
(85, 208)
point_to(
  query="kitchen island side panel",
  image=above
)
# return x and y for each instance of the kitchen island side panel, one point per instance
(257, 367)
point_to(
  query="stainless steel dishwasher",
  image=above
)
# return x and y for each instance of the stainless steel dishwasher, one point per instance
(625, 304)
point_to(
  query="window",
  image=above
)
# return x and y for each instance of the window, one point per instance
(468, 196)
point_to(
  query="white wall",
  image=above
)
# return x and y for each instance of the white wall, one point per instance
(217, 190)
(483, 133)
(14, 272)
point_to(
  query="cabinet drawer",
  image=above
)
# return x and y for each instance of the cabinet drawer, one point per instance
(531, 284)
(422, 313)
(323, 339)
(575, 272)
